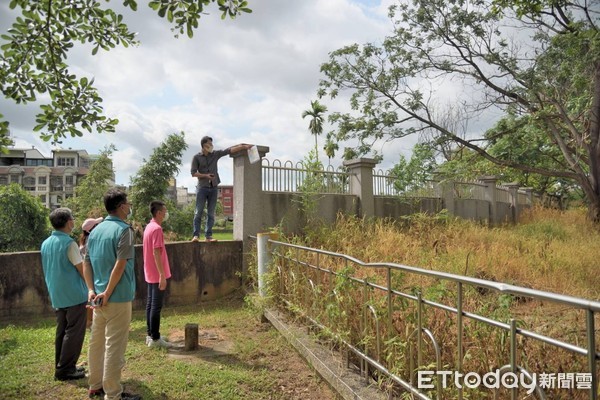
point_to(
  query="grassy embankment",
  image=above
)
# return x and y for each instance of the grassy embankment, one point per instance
(548, 250)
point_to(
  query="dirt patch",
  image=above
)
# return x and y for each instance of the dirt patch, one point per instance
(294, 378)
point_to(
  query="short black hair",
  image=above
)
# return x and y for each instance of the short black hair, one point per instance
(205, 139)
(59, 217)
(113, 199)
(156, 206)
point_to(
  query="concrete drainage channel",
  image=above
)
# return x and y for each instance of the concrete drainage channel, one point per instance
(330, 366)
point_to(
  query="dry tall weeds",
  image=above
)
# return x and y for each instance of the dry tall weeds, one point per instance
(548, 250)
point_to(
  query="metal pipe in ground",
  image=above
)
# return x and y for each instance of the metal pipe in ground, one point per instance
(264, 259)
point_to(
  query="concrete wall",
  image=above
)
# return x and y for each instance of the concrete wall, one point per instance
(286, 209)
(391, 207)
(201, 271)
(476, 210)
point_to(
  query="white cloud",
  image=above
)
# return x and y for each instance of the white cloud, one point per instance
(246, 80)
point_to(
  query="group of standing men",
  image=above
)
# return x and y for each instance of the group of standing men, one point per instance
(99, 275)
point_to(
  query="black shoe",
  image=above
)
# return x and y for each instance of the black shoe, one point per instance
(70, 377)
(96, 393)
(130, 396)
(80, 368)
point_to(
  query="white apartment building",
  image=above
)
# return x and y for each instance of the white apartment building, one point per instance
(52, 179)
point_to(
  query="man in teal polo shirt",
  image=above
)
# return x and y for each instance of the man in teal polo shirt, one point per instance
(110, 278)
(63, 272)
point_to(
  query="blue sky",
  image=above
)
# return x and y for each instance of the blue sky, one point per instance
(246, 80)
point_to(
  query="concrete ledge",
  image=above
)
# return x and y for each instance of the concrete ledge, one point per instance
(328, 364)
(201, 271)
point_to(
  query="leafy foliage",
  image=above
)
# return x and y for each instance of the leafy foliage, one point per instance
(23, 221)
(538, 59)
(33, 59)
(89, 193)
(521, 140)
(152, 179)
(180, 220)
(5, 139)
(315, 126)
(411, 175)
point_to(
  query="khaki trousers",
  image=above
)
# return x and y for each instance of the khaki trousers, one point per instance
(108, 341)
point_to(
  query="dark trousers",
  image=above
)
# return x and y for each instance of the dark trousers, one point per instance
(70, 332)
(205, 196)
(154, 305)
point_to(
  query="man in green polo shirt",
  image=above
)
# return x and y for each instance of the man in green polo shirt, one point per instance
(63, 272)
(110, 278)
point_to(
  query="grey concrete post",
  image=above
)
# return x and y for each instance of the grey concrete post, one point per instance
(513, 190)
(264, 259)
(490, 196)
(361, 184)
(529, 193)
(247, 198)
(444, 188)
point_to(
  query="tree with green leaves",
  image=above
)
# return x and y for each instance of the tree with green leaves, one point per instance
(34, 56)
(538, 58)
(152, 179)
(89, 192)
(315, 126)
(23, 220)
(331, 146)
(5, 139)
(411, 175)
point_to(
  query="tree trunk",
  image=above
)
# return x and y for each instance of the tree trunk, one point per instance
(593, 193)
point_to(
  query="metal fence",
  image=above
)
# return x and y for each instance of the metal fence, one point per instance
(287, 176)
(387, 184)
(503, 194)
(295, 177)
(407, 330)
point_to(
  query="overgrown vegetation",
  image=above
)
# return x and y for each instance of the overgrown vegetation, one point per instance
(549, 250)
(539, 252)
(23, 221)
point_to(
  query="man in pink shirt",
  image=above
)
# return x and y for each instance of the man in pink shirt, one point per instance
(156, 271)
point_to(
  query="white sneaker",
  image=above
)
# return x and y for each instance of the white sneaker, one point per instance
(148, 340)
(160, 343)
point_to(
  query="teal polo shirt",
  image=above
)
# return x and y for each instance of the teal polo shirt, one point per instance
(110, 240)
(65, 284)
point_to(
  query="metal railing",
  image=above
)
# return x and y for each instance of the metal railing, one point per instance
(503, 194)
(386, 184)
(295, 177)
(315, 282)
(469, 190)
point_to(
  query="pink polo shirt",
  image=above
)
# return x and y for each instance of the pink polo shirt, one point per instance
(154, 239)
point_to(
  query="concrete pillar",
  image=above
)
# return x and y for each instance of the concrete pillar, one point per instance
(361, 184)
(529, 193)
(445, 189)
(264, 259)
(490, 196)
(513, 190)
(247, 198)
(191, 337)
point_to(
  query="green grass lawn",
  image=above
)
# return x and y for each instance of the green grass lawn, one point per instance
(239, 358)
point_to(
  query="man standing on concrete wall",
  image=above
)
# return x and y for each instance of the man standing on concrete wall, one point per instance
(63, 272)
(204, 167)
(110, 278)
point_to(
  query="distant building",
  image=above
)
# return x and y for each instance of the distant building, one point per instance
(183, 197)
(52, 179)
(226, 198)
(172, 190)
